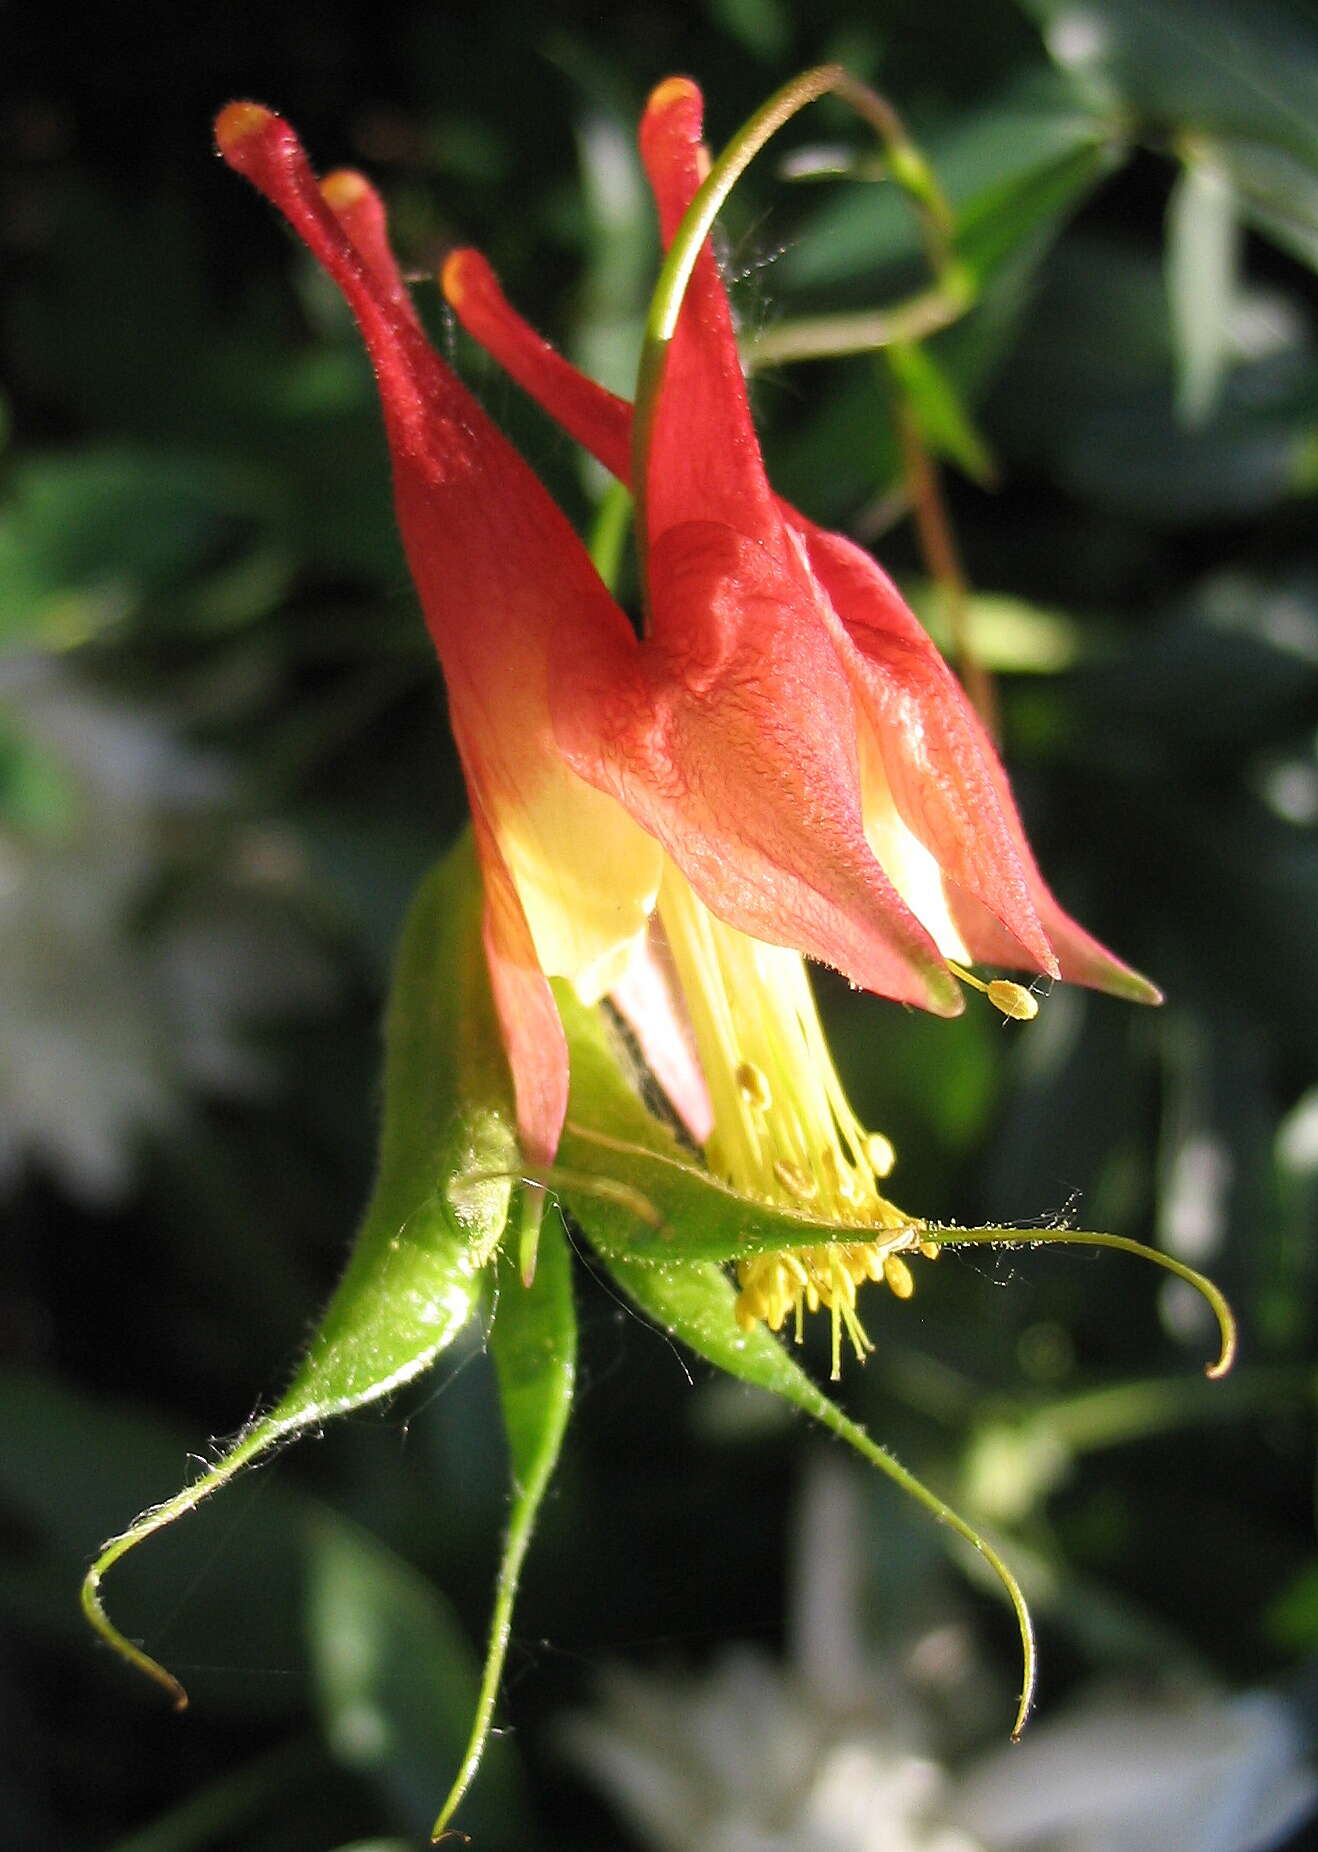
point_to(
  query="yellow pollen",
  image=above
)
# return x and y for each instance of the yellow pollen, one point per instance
(879, 1154)
(898, 1276)
(450, 278)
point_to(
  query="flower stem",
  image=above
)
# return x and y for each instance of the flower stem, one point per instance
(942, 556)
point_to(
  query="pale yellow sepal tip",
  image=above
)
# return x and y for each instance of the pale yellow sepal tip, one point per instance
(450, 278)
(671, 92)
(238, 122)
(343, 189)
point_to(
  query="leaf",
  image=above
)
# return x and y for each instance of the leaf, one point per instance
(1242, 74)
(396, 1679)
(1247, 70)
(88, 539)
(534, 1345)
(440, 1203)
(1277, 193)
(939, 410)
(258, 1790)
(1203, 255)
(1008, 169)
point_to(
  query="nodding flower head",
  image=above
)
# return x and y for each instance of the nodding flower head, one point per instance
(779, 765)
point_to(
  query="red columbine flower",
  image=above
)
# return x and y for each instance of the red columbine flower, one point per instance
(510, 597)
(782, 660)
(781, 765)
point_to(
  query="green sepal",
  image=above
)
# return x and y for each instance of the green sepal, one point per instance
(416, 1274)
(534, 1344)
(644, 1197)
(653, 1216)
(694, 1302)
(642, 1194)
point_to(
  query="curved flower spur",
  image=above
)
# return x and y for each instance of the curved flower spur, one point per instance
(780, 764)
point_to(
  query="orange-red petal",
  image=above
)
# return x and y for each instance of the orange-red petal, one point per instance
(507, 589)
(704, 460)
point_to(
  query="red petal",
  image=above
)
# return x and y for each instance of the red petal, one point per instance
(598, 420)
(528, 1016)
(733, 742)
(940, 765)
(360, 211)
(507, 589)
(704, 460)
(420, 396)
(948, 783)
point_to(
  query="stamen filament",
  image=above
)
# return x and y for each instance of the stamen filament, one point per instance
(784, 1131)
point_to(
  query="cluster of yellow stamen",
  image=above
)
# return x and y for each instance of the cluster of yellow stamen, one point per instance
(784, 1131)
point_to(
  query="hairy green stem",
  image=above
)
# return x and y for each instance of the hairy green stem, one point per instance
(907, 166)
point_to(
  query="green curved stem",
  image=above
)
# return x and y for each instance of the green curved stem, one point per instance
(695, 1304)
(907, 166)
(1079, 1237)
(822, 337)
(830, 1416)
(151, 1521)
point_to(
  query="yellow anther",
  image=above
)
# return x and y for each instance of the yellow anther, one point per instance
(794, 1180)
(1013, 1000)
(783, 1130)
(753, 1085)
(898, 1276)
(879, 1154)
(451, 278)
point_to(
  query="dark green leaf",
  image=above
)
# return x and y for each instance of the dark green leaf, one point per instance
(1210, 63)
(1243, 74)
(943, 419)
(1203, 254)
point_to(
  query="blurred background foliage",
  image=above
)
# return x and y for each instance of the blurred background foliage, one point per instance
(224, 765)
